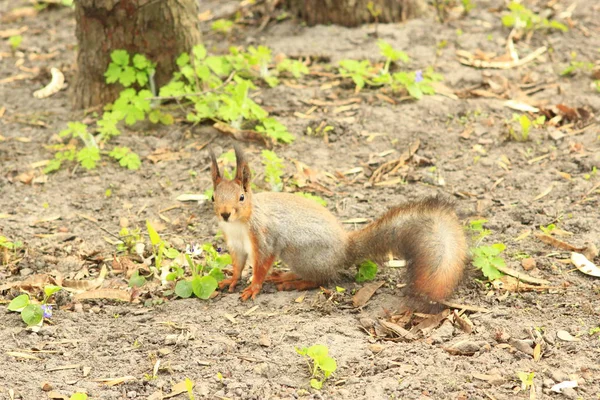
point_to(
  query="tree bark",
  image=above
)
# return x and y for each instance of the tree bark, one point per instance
(159, 29)
(355, 12)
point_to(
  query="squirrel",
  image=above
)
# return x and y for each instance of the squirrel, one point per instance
(264, 227)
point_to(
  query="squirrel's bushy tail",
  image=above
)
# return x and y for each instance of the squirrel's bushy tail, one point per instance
(428, 235)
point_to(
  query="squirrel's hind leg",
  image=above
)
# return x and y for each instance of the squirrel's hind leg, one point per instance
(297, 285)
(290, 281)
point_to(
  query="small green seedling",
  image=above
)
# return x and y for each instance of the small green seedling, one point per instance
(322, 364)
(15, 41)
(577, 66)
(78, 396)
(468, 5)
(367, 271)
(523, 19)
(295, 67)
(222, 26)
(548, 229)
(273, 170)
(7, 246)
(488, 260)
(33, 314)
(526, 379)
(525, 125)
(587, 177)
(126, 158)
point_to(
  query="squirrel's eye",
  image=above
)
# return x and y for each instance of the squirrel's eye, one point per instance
(242, 197)
(213, 198)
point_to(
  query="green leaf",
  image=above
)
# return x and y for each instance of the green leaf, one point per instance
(113, 73)
(32, 314)
(141, 62)
(171, 253)
(18, 303)
(141, 77)
(88, 157)
(316, 384)
(204, 287)
(303, 351)
(366, 271)
(183, 289)
(317, 351)
(53, 165)
(49, 290)
(217, 274)
(127, 76)
(183, 60)
(78, 396)
(120, 57)
(199, 51)
(131, 161)
(136, 279)
(328, 365)
(154, 237)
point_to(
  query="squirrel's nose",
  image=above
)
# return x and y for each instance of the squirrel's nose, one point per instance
(225, 216)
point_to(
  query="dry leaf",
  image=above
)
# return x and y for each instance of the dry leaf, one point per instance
(431, 322)
(522, 276)
(398, 330)
(537, 352)
(563, 385)
(26, 356)
(112, 294)
(365, 293)
(55, 85)
(464, 322)
(463, 348)
(584, 265)
(566, 336)
(559, 244)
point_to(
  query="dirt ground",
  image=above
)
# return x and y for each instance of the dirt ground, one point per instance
(241, 350)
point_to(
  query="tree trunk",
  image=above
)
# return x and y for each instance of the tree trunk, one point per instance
(159, 29)
(355, 12)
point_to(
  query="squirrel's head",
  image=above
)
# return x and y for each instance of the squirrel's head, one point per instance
(232, 198)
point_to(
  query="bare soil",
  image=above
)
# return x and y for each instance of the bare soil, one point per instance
(246, 350)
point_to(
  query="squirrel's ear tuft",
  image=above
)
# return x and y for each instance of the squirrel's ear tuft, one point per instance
(214, 169)
(242, 172)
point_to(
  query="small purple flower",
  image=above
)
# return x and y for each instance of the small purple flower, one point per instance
(219, 250)
(418, 76)
(47, 309)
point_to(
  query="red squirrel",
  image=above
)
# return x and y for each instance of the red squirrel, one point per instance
(264, 227)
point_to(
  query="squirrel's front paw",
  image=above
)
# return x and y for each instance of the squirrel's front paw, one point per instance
(231, 282)
(251, 291)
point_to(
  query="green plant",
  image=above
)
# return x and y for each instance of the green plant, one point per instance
(205, 277)
(592, 174)
(129, 240)
(548, 229)
(523, 19)
(477, 230)
(7, 245)
(223, 26)
(122, 70)
(126, 158)
(295, 67)
(33, 314)
(576, 66)
(88, 156)
(526, 379)
(468, 5)
(78, 396)
(366, 271)
(217, 88)
(322, 364)
(363, 73)
(525, 125)
(273, 170)
(488, 259)
(15, 41)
